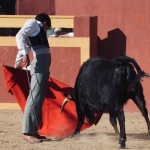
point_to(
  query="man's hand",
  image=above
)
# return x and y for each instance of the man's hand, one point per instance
(19, 67)
(26, 60)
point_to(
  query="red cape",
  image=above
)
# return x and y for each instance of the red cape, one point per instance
(53, 124)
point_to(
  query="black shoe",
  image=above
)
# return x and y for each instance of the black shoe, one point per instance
(40, 137)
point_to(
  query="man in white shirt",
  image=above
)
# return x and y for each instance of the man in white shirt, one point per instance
(33, 36)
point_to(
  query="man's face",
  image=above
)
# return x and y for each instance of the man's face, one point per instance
(45, 26)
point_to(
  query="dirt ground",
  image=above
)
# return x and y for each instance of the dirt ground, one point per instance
(99, 137)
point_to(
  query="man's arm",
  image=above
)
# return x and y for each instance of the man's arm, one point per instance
(23, 53)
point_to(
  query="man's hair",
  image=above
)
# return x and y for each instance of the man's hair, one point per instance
(43, 17)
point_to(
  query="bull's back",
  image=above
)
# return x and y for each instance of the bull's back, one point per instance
(100, 80)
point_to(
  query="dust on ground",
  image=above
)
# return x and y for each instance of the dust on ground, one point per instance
(99, 137)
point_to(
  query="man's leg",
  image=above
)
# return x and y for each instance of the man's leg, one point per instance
(33, 108)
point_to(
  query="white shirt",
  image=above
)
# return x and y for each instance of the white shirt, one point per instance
(31, 28)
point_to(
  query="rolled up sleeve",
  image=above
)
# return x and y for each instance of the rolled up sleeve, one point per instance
(27, 30)
(30, 28)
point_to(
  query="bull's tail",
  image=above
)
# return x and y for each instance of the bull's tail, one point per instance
(140, 74)
(125, 59)
(69, 97)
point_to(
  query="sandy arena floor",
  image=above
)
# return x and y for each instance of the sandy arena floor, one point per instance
(100, 137)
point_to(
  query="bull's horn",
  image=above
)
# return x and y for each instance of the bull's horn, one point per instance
(69, 96)
(66, 100)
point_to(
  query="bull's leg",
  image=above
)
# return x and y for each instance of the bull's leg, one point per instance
(113, 122)
(121, 119)
(140, 102)
(90, 117)
(80, 120)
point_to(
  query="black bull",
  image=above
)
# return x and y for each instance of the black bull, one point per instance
(107, 85)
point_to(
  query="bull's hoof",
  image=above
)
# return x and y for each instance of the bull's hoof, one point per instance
(122, 143)
(121, 146)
